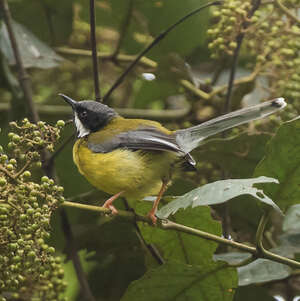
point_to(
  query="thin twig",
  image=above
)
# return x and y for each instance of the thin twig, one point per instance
(168, 225)
(94, 51)
(160, 115)
(7, 173)
(24, 79)
(148, 247)
(72, 253)
(123, 58)
(122, 213)
(26, 165)
(155, 41)
(227, 105)
(260, 232)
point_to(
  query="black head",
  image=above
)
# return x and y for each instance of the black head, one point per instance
(89, 116)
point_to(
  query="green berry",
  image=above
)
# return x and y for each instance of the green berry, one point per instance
(44, 179)
(16, 138)
(3, 181)
(60, 123)
(27, 174)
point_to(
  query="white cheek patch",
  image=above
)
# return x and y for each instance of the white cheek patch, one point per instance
(81, 129)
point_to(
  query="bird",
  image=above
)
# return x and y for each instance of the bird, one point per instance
(136, 158)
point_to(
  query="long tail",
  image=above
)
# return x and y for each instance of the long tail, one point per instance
(190, 138)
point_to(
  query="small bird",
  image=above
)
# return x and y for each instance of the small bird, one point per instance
(136, 158)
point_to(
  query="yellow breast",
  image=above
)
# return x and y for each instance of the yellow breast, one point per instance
(138, 174)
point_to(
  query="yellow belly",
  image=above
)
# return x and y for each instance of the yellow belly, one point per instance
(138, 174)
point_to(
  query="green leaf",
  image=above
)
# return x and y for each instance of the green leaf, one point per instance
(181, 247)
(34, 52)
(237, 155)
(262, 270)
(282, 161)
(217, 193)
(181, 282)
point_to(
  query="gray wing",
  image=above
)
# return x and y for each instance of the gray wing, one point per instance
(142, 139)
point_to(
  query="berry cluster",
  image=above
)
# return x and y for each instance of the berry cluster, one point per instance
(230, 19)
(29, 270)
(271, 41)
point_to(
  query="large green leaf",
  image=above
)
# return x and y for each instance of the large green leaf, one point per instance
(217, 193)
(282, 161)
(203, 280)
(181, 282)
(238, 155)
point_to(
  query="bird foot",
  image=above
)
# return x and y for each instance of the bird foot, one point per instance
(113, 209)
(108, 203)
(152, 216)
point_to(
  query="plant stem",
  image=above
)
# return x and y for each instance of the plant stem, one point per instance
(260, 231)
(72, 253)
(122, 213)
(160, 115)
(168, 225)
(94, 50)
(24, 79)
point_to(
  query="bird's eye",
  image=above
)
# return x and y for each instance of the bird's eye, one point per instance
(83, 114)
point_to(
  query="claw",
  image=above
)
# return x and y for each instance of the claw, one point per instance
(152, 216)
(108, 203)
(112, 208)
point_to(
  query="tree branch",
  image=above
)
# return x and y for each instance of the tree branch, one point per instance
(24, 79)
(168, 225)
(72, 253)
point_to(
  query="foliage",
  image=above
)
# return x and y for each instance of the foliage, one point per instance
(28, 267)
(275, 48)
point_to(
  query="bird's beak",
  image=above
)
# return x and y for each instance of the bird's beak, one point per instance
(69, 100)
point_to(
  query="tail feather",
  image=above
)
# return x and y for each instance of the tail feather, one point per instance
(190, 138)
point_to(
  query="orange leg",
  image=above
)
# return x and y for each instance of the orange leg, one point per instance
(108, 203)
(152, 212)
